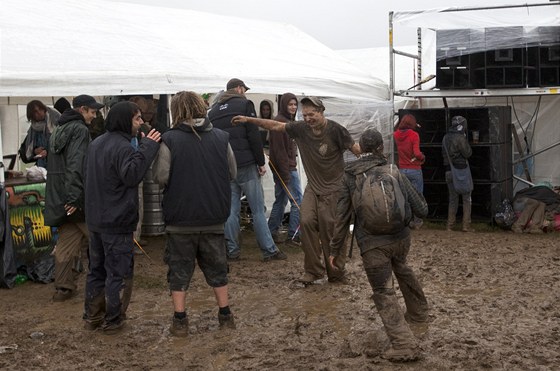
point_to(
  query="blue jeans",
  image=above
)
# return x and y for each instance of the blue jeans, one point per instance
(248, 181)
(281, 199)
(415, 177)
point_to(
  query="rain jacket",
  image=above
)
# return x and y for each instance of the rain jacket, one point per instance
(65, 181)
(459, 149)
(114, 170)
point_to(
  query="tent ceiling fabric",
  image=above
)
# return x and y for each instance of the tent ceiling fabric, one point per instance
(66, 47)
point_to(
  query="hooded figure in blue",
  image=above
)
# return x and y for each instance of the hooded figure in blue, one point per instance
(115, 165)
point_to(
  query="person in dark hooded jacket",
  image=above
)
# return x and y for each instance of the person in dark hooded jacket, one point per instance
(383, 254)
(64, 200)
(245, 140)
(115, 166)
(283, 161)
(459, 151)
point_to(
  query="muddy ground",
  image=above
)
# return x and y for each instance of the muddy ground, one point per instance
(494, 296)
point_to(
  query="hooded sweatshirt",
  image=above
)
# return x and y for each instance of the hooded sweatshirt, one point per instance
(408, 144)
(245, 138)
(114, 170)
(65, 181)
(283, 149)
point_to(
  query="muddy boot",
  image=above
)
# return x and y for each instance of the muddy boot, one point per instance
(94, 312)
(126, 294)
(403, 344)
(415, 300)
(467, 215)
(450, 223)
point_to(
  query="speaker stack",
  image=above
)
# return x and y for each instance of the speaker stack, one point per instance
(490, 163)
(498, 57)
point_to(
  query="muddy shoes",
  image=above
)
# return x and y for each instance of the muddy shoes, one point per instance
(407, 354)
(63, 295)
(278, 255)
(226, 321)
(403, 343)
(180, 327)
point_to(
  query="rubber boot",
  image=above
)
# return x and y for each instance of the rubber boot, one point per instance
(403, 343)
(467, 214)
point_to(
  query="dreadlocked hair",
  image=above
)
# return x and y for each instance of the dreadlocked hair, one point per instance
(186, 106)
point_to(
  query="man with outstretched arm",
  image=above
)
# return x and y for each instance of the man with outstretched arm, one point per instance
(322, 143)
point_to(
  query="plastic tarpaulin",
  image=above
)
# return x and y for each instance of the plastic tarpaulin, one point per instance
(66, 48)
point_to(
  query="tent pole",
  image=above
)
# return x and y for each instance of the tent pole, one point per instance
(391, 87)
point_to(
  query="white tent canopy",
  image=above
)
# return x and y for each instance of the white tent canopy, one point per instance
(66, 48)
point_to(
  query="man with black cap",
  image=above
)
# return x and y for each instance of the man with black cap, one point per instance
(383, 254)
(456, 147)
(64, 201)
(322, 143)
(247, 147)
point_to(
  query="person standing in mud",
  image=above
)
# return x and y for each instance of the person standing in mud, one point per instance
(195, 208)
(115, 165)
(456, 147)
(247, 146)
(322, 143)
(383, 254)
(287, 184)
(64, 199)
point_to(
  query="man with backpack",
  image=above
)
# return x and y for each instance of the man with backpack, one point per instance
(383, 202)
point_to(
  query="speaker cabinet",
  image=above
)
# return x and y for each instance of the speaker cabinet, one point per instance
(491, 160)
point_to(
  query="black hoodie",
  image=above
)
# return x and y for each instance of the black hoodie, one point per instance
(114, 168)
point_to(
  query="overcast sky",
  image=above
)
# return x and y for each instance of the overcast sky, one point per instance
(339, 24)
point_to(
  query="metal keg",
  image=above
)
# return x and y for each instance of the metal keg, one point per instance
(152, 224)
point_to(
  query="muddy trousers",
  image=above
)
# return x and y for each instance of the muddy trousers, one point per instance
(72, 237)
(379, 264)
(109, 280)
(454, 203)
(317, 219)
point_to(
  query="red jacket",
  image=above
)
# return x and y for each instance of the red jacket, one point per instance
(408, 147)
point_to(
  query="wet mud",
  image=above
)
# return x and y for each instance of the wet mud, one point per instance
(494, 298)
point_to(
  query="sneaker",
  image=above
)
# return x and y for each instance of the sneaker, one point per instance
(279, 255)
(234, 258)
(179, 327)
(308, 279)
(63, 294)
(515, 228)
(449, 228)
(226, 321)
(467, 229)
(112, 328)
(401, 354)
(293, 241)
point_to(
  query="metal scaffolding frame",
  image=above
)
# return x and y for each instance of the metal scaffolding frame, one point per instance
(462, 93)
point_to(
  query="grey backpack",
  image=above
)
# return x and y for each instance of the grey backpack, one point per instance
(380, 204)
